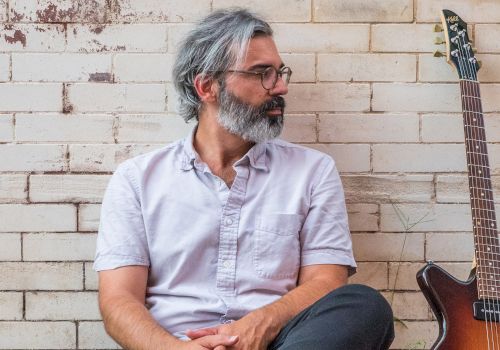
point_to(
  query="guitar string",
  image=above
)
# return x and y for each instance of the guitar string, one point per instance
(476, 103)
(471, 180)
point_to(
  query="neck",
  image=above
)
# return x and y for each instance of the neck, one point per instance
(215, 145)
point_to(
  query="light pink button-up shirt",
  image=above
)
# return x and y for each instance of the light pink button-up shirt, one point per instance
(216, 253)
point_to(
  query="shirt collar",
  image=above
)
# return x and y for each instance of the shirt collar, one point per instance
(256, 156)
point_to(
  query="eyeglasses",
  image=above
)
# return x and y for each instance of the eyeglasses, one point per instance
(269, 76)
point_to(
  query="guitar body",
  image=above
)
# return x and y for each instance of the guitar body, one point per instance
(451, 301)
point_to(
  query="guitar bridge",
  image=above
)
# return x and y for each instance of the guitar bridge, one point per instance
(487, 310)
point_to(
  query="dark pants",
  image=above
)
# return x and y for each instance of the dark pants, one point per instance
(353, 317)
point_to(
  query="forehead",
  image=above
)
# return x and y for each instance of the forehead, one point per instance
(262, 51)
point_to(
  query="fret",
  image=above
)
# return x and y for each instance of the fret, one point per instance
(473, 112)
(475, 126)
(482, 209)
(469, 81)
(479, 177)
(474, 97)
(481, 189)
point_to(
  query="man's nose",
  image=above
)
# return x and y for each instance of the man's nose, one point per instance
(280, 88)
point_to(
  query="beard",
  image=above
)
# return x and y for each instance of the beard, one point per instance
(250, 122)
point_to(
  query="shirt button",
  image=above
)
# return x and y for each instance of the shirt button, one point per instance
(229, 221)
(227, 264)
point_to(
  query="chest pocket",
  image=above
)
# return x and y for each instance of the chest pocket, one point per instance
(276, 245)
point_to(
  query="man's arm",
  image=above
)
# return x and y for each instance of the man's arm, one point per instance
(122, 294)
(258, 328)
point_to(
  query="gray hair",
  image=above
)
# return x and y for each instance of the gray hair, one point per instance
(218, 42)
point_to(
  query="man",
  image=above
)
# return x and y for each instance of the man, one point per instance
(231, 239)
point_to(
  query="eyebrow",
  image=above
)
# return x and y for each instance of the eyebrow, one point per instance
(264, 66)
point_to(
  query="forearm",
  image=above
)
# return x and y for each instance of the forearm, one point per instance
(130, 324)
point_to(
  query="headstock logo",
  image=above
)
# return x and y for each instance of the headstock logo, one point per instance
(452, 19)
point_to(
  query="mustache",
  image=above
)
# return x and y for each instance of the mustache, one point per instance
(275, 102)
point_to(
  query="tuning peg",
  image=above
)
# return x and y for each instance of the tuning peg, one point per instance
(439, 41)
(474, 50)
(438, 53)
(438, 28)
(479, 64)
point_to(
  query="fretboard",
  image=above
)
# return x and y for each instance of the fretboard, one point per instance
(486, 243)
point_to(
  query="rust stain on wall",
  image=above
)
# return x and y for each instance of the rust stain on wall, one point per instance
(18, 37)
(101, 77)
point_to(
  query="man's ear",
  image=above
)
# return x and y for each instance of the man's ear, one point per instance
(206, 88)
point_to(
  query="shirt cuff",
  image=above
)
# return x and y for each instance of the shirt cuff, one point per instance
(330, 256)
(110, 262)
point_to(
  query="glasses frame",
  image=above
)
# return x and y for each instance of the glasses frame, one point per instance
(279, 75)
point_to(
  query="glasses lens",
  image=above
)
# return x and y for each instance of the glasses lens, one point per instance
(269, 77)
(285, 73)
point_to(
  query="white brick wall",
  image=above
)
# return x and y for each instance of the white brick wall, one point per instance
(86, 85)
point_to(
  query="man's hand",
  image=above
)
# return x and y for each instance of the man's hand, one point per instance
(253, 333)
(211, 342)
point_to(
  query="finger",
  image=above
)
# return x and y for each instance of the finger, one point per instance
(213, 341)
(202, 332)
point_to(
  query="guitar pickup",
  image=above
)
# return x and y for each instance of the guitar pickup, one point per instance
(487, 310)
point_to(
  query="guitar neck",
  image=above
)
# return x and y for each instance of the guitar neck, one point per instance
(486, 241)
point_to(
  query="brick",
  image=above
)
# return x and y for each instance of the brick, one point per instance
(45, 11)
(67, 188)
(151, 128)
(58, 247)
(161, 10)
(415, 335)
(366, 67)
(363, 217)
(368, 128)
(64, 67)
(363, 11)
(6, 128)
(388, 246)
(402, 275)
(274, 11)
(117, 97)
(489, 94)
(37, 335)
(418, 158)
(429, 10)
(104, 158)
(300, 128)
(434, 124)
(388, 188)
(373, 274)
(425, 217)
(401, 97)
(117, 37)
(318, 97)
(489, 71)
(62, 306)
(455, 189)
(88, 217)
(486, 38)
(403, 38)
(322, 37)
(176, 33)
(459, 246)
(4, 66)
(434, 69)
(32, 157)
(348, 158)
(92, 335)
(408, 305)
(303, 67)
(32, 37)
(91, 277)
(71, 128)
(143, 67)
(40, 276)
(494, 155)
(10, 247)
(461, 271)
(13, 188)
(28, 97)
(11, 305)
(37, 217)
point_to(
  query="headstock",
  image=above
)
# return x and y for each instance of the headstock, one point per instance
(459, 51)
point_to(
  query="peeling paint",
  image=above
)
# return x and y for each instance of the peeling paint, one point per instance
(18, 37)
(100, 77)
(16, 17)
(97, 29)
(40, 29)
(8, 27)
(81, 10)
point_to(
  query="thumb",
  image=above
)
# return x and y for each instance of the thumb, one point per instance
(212, 341)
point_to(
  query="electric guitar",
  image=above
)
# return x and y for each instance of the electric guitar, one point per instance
(468, 312)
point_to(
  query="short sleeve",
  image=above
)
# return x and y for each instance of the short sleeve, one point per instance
(325, 236)
(121, 239)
